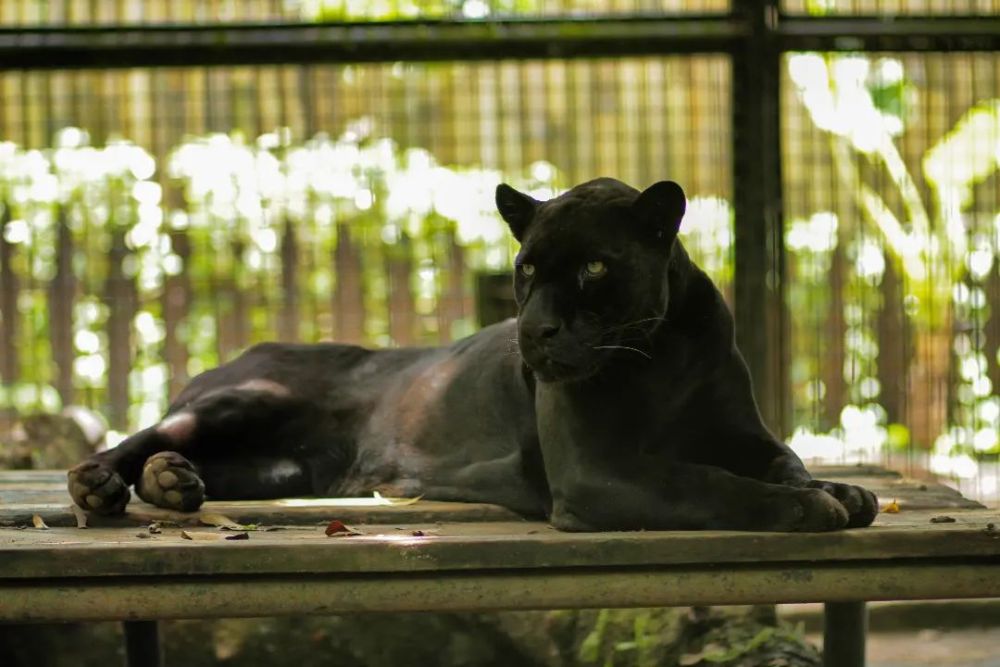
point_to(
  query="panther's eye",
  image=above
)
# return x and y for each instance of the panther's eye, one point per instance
(595, 269)
(527, 270)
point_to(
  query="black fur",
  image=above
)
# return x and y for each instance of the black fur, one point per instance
(617, 400)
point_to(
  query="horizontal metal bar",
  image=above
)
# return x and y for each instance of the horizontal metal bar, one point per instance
(249, 44)
(49, 48)
(924, 33)
(232, 596)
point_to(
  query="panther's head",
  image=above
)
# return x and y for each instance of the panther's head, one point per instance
(591, 275)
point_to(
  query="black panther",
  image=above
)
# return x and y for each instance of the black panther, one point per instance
(617, 400)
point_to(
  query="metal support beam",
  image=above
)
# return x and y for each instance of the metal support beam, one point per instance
(889, 33)
(845, 629)
(142, 644)
(173, 46)
(759, 264)
(117, 46)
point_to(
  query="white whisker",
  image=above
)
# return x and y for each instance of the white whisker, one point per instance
(622, 347)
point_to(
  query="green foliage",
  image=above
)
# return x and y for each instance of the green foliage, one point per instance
(894, 99)
(235, 219)
(744, 645)
(820, 7)
(402, 10)
(730, 636)
(907, 256)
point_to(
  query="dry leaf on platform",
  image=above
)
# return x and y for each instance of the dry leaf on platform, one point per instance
(892, 508)
(38, 522)
(339, 529)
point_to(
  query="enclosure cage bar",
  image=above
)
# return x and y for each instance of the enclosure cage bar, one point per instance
(915, 34)
(249, 44)
(43, 48)
(758, 257)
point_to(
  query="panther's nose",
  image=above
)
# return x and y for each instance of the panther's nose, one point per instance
(544, 330)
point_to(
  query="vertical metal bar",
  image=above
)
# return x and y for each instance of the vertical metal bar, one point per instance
(845, 628)
(142, 644)
(759, 272)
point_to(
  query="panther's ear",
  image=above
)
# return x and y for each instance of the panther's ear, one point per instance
(516, 208)
(660, 208)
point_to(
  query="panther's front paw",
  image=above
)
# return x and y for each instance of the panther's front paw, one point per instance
(820, 512)
(803, 511)
(567, 521)
(169, 480)
(96, 487)
(861, 504)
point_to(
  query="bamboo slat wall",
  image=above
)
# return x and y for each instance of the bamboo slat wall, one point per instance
(321, 272)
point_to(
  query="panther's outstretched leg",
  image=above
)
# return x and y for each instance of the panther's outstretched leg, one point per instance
(744, 446)
(686, 496)
(256, 477)
(767, 459)
(778, 464)
(252, 417)
(170, 480)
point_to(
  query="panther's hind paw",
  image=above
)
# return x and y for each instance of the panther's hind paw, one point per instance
(97, 488)
(169, 480)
